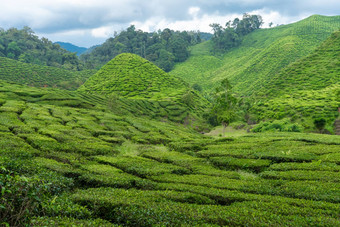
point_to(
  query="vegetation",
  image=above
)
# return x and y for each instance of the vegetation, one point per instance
(224, 107)
(163, 48)
(269, 76)
(306, 91)
(261, 54)
(23, 45)
(41, 76)
(135, 78)
(80, 163)
(231, 36)
(125, 149)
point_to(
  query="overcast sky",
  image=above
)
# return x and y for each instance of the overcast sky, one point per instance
(90, 22)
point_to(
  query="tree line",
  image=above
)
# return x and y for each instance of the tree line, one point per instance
(164, 47)
(231, 35)
(23, 45)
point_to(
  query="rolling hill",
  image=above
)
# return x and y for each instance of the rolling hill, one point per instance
(41, 76)
(306, 89)
(129, 75)
(262, 54)
(132, 77)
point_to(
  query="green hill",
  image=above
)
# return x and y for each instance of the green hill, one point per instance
(159, 94)
(41, 76)
(317, 71)
(263, 53)
(129, 75)
(309, 88)
(70, 161)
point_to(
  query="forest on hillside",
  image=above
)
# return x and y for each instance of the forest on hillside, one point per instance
(164, 48)
(25, 46)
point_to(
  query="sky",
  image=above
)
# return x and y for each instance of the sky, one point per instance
(90, 22)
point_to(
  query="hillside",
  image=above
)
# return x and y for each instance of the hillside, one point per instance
(129, 75)
(309, 88)
(72, 48)
(71, 161)
(41, 76)
(132, 77)
(317, 71)
(163, 48)
(23, 45)
(262, 53)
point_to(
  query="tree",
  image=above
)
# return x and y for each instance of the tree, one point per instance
(225, 104)
(231, 36)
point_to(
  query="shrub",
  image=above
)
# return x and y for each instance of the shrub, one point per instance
(283, 125)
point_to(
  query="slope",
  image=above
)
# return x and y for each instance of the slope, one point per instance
(261, 54)
(132, 77)
(318, 70)
(129, 75)
(83, 165)
(306, 89)
(40, 76)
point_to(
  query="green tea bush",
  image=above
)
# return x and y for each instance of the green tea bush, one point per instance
(22, 197)
(315, 165)
(257, 165)
(66, 221)
(302, 175)
(139, 166)
(278, 125)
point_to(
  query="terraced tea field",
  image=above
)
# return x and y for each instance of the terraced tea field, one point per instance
(91, 166)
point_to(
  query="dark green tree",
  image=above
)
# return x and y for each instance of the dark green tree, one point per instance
(231, 36)
(225, 104)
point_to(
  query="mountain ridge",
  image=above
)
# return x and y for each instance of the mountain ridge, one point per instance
(72, 48)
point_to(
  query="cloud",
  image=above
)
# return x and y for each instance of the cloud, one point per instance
(98, 19)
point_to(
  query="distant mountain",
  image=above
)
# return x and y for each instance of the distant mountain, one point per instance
(206, 35)
(72, 48)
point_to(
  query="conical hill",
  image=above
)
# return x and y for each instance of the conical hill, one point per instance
(129, 75)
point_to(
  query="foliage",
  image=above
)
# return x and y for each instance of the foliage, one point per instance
(224, 106)
(23, 45)
(307, 89)
(261, 55)
(94, 163)
(41, 76)
(231, 36)
(283, 125)
(82, 158)
(163, 48)
(129, 76)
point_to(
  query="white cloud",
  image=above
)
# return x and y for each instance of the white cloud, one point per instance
(100, 18)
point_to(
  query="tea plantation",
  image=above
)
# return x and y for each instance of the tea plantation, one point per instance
(262, 54)
(154, 91)
(67, 159)
(42, 76)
